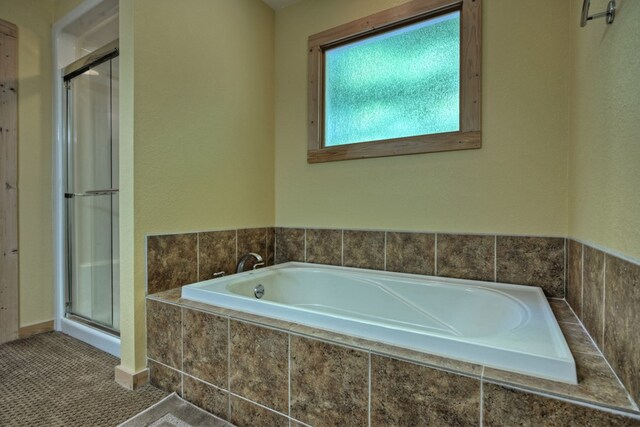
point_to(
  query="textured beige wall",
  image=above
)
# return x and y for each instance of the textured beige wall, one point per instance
(203, 107)
(34, 19)
(604, 155)
(517, 182)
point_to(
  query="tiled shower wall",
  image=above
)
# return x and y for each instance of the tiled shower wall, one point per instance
(179, 259)
(604, 292)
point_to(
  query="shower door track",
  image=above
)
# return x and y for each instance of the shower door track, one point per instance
(92, 324)
(97, 57)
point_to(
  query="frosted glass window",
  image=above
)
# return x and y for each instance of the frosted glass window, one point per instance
(401, 83)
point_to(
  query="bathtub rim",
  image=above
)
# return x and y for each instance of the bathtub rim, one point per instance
(560, 364)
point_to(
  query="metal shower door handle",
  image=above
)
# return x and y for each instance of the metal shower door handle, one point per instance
(91, 193)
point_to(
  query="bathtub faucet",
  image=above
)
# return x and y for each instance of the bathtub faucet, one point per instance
(246, 257)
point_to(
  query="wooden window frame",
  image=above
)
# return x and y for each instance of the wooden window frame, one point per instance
(469, 135)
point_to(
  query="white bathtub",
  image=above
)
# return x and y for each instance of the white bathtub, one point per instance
(503, 326)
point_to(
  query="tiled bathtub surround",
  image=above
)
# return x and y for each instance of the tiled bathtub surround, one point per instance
(604, 291)
(174, 260)
(180, 259)
(466, 256)
(537, 261)
(282, 374)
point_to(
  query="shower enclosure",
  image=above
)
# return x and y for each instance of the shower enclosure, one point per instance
(91, 195)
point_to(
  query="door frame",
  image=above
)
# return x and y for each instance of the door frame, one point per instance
(9, 257)
(61, 49)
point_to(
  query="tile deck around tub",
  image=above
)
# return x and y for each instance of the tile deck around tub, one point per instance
(598, 386)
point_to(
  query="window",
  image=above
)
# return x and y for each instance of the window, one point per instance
(402, 81)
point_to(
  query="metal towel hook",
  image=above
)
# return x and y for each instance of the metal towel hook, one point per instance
(610, 13)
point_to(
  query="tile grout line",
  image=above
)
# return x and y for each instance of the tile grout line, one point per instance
(435, 255)
(236, 395)
(385, 251)
(566, 265)
(163, 364)
(182, 351)
(581, 282)
(229, 366)
(198, 256)
(604, 295)
(369, 400)
(482, 396)
(342, 247)
(495, 258)
(146, 266)
(275, 246)
(289, 378)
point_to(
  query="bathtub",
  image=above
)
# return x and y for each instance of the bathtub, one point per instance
(503, 326)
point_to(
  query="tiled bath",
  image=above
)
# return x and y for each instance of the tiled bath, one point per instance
(604, 291)
(257, 371)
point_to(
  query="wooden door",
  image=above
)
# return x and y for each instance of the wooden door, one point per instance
(9, 295)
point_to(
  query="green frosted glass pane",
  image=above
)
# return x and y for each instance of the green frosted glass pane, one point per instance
(400, 83)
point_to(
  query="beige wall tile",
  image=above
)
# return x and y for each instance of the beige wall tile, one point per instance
(247, 414)
(465, 256)
(171, 261)
(164, 333)
(364, 249)
(407, 394)
(167, 379)
(622, 317)
(252, 240)
(259, 365)
(577, 338)
(574, 276)
(508, 407)
(593, 293)
(329, 383)
(596, 382)
(324, 246)
(217, 252)
(204, 396)
(289, 244)
(205, 347)
(562, 311)
(411, 252)
(271, 246)
(535, 261)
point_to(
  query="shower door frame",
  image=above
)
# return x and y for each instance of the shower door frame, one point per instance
(63, 49)
(101, 55)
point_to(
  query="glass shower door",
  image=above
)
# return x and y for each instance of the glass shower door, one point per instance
(92, 193)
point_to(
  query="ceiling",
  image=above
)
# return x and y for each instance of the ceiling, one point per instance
(279, 4)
